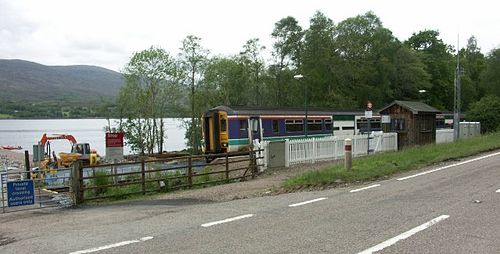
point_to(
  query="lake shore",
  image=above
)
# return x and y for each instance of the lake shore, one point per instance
(11, 159)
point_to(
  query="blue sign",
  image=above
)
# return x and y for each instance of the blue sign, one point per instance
(20, 193)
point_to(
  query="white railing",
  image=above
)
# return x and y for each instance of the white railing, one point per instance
(332, 148)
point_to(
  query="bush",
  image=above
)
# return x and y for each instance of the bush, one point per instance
(486, 112)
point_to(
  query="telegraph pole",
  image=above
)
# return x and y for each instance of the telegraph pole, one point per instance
(456, 106)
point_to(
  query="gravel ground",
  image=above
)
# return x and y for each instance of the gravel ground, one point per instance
(267, 183)
(11, 159)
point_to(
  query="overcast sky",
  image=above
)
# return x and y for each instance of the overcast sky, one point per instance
(107, 32)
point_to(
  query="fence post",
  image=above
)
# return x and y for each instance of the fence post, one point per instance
(77, 182)
(227, 167)
(27, 164)
(253, 162)
(190, 172)
(287, 153)
(143, 177)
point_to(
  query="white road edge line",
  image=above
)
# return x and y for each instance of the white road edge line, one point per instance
(365, 188)
(112, 245)
(226, 220)
(404, 235)
(307, 202)
(449, 166)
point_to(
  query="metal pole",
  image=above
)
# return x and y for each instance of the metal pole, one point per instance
(307, 123)
(456, 108)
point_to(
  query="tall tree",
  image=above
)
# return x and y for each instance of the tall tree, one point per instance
(367, 51)
(287, 44)
(193, 58)
(473, 64)
(490, 80)
(251, 58)
(317, 60)
(439, 63)
(151, 76)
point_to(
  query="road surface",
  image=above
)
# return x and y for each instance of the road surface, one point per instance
(450, 208)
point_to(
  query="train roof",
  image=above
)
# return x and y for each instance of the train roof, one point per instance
(246, 110)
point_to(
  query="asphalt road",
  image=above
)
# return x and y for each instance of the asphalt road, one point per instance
(452, 209)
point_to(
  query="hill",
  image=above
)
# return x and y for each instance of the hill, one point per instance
(23, 81)
(34, 90)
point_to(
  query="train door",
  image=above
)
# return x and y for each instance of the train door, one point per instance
(255, 129)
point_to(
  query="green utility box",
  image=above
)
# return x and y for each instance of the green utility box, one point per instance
(276, 154)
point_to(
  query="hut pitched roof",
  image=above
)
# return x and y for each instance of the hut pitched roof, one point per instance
(415, 107)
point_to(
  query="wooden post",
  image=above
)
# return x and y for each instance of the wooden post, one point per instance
(27, 164)
(348, 154)
(190, 172)
(77, 182)
(227, 167)
(143, 177)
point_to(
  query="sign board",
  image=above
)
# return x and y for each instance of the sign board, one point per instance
(20, 193)
(386, 119)
(114, 139)
(368, 114)
(114, 145)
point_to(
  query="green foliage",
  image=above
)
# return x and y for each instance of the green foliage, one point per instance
(491, 75)
(152, 88)
(373, 167)
(485, 111)
(101, 179)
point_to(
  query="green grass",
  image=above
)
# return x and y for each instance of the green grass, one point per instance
(5, 116)
(380, 165)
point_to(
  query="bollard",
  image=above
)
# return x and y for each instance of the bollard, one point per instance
(348, 153)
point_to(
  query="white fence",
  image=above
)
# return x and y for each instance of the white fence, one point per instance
(330, 148)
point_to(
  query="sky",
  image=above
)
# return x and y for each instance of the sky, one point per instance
(107, 32)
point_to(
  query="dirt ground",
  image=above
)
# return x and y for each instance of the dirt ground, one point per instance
(266, 183)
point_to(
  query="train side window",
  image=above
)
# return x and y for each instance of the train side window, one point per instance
(294, 125)
(276, 127)
(223, 125)
(314, 125)
(243, 125)
(328, 124)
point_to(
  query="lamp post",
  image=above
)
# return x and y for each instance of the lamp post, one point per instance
(300, 77)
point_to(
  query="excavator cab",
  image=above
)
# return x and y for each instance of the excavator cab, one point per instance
(83, 149)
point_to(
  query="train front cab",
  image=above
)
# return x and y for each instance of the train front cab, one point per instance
(215, 132)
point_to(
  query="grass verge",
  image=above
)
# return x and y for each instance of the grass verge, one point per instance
(373, 167)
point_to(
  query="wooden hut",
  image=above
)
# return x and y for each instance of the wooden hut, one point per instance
(415, 122)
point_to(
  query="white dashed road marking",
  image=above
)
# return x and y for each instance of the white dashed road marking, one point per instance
(365, 188)
(404, 235)
(226, 220)
(306, 202)
(112, 245)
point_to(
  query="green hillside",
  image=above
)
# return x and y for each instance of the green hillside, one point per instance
(33, 90)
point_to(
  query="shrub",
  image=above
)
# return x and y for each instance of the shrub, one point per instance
(486, 112)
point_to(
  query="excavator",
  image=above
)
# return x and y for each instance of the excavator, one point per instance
(79, 151)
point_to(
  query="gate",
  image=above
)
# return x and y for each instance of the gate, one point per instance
(22, 190)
